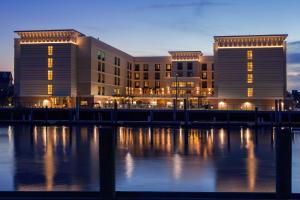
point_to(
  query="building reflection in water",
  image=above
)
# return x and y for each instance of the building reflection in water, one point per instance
(56, 158)
(158, 159)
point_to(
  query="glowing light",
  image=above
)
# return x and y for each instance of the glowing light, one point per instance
(46, 103)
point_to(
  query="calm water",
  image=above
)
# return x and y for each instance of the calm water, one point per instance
(158, 159)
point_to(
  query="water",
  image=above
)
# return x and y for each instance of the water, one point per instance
(157, 159)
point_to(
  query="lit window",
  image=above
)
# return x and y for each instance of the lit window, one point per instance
(168, 67)
(250, 92)
(249, 54)
(50, 75)
(250, 78)
(146, 84)
(50, 62)
(157, 84)
(137, 75)
(50, 50)
(168, 74)
(250, 66)
(50, 89)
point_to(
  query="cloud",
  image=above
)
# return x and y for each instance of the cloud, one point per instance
(196, 5)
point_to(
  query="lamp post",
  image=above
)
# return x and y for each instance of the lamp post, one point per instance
(176, 81)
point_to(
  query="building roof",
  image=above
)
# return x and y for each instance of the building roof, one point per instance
(246, 36)
(49, 30)
(49, 36)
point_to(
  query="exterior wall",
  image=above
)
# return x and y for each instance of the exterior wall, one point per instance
(32, 61)
(268, 73)
(152, 89)
(110, 54)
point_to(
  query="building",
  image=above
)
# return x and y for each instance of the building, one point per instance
(250, 70)
(6, 88)
(57, 68)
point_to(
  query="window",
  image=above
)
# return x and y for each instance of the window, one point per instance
(146, 84)
(249, 54)
(190, 66)
(168, 74)
(146, 76)
(146, 67)
(250, 78)
(190, 84)
(250, 66)
(136, 75)
(157, 67)
(50, 62)
(204, 67)
(117, 91)
(50, 75)
(103, 67)
(190, 74)
(204, 84)
(204, 75)
(99, 66)
(117, 61)
(157, 84)
(103, 78)
(213, 67)
(99, 78)
(212, 75)
(136, 84)
(250, 92)
(136, 67)
(179, 66)
(129, 65)
(180, 74)
(50, 50)
(157, 76)
(101, 55)
(168, 67)
(50, 89)
(212, 84)
(99, 90)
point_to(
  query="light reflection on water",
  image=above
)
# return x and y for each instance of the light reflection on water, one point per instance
(206, 160)
(49, 159)
(147, 159)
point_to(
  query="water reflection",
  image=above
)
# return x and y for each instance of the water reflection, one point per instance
(51, 158)
(165, 159)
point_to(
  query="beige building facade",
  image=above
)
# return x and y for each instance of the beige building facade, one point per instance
(57, 68)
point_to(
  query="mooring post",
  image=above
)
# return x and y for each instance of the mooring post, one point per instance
(150, 117)
(114, 112)
(107, 162)
(283, 163)
(77, 109)
(186, 117)
(276, 112)
(174, 110)
(256, 116)
(279, 111)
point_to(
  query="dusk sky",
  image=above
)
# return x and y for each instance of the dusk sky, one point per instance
(153, 27)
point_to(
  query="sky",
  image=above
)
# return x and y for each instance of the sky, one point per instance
(154, 27)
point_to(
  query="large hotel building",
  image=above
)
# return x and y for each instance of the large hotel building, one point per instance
(58, 68)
